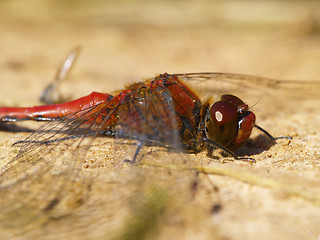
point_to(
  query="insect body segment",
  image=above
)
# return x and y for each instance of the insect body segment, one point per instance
(54, 111)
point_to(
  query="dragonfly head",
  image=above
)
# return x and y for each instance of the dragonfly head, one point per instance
(230, 123)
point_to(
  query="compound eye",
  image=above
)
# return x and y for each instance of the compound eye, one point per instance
(222, 127)
(232, 99)
(235, 101)
(223, 113)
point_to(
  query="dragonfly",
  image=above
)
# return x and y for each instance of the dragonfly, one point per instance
(151, 111)
(162, 111)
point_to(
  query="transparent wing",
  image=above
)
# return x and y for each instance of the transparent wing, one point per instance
(247, 85)
(148, 115)
(162, 181)
(45, 178)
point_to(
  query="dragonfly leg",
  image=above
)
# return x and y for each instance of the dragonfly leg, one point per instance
(213, 145)
(140, 144)
(269, 135)
(134, 160)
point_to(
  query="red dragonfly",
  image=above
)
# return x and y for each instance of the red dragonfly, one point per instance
(157, 110)
(161, 111)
